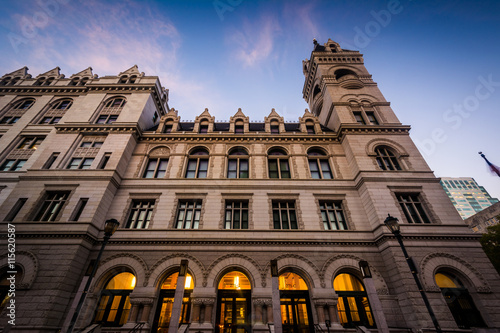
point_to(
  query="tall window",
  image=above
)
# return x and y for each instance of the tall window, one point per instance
(86, 152)
(188, 214)
(236, 214)
(114, 305)
(386, 159)
(277, 161)
(353, 307)
(16, 111)
(332, 215)
(318, 164)
(237, 163)
(140, 214)
(111, 110)
(364, 114)
(30, 142)
(459, 301)
(52, 205)
(359, 118)
(239, 127)
(284, 216)
(168, 126)
(56, 111)
(310, 127)
(275, 127)
(203, 126)
(412, 208)
(156, 168)
(197, 166)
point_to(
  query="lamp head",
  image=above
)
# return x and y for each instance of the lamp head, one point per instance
(110, 227)
(365, 269)
(392, 223)
(274, 268)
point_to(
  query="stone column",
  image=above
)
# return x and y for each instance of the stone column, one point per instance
(320, 310)
(209, 305)
(134, 310)
(258, 304)
(177, 306)
(333, 313)
(197, 303)
(278, 326)
(376, 305)
(147, 310)
(269, 305)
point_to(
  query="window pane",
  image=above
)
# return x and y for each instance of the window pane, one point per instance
(313, 166)
(202, 171)
(243, 168)
(150, 170)
(325, 169)
(285, 171)
(191, 168)
(273, 168)
(232, 168)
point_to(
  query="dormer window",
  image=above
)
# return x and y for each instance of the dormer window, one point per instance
(123, 79)
(168, 126)
(310, 127)
(132, 79)
(275, 127)
(203, 126)
(238, 127)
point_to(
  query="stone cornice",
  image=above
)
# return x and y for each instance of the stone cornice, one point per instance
(99, 128)
(372, 129)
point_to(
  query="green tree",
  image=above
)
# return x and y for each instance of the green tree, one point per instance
(491, 244)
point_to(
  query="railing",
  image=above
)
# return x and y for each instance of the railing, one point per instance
(137, 327)
(318, 328)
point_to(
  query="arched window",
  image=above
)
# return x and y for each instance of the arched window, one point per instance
(5, 81)
(114, 305)
(163, 314)
(234, 307)
(386, 159)
(353, 307)
(123, 79)
(6, 282)
(16, 111)
(111, 110)
(296, 315)
(156, 166)
(39, 81)
(132, 79)
(239, 127)
(277, 160)
(459, 301)
(169, 124)
(237, 163)
(203, 126)
(74, 81)
(318, 164)
(49, 81)
(56, 111)
(275, 127)
(197, 166)
(310, 127)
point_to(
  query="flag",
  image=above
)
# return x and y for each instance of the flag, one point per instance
(493, 168)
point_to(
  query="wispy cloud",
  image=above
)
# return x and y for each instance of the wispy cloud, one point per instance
(255, 41)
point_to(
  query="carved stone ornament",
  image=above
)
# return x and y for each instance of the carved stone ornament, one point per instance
(203, 301)
(141, 300)
(383, 291)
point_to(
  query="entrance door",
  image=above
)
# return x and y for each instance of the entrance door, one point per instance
(234, 312)
(164, 311)
(295, 312)
(354, 311)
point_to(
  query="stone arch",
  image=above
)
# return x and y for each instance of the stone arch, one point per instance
(131, 261)
(372, 144)
(302, 264)
(29, 264)
(347, 261)
(236, 260)
(156, 272)
(431, 263)
(158, 151)
(358, 98)
(333, 69)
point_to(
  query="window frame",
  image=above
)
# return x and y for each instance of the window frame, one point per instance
(278, 159)
(156, 170)
(83, 163)
(242, 208)
(417, 205)
(337, 206)
(240, 159)
(387, 159)
(195, 214)
(319, 158)
(195, 157)
(278, 208)
(50, 203)
(136, 219)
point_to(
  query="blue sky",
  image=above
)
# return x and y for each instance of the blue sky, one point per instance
(437, 62)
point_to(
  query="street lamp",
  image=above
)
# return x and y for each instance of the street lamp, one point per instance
(392, 224)
(109, 229)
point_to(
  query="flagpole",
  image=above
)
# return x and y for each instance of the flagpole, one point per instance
(493, 167)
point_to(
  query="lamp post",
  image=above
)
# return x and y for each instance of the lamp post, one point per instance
(392, 223)
(109, 229)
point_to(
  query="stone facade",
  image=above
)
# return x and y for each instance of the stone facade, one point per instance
(102, 160)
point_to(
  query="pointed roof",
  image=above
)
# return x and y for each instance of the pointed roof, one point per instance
(274, 114)
(55, 72)
(22, 72)
(87, 72)
(239, 113)
(205, 114)
(134, 70)
(308, 114)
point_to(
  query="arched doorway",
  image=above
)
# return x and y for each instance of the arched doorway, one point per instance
(353, 307)
(296, 315)
(114, 305)
(233, 299)
(459, 301)
(166, 301)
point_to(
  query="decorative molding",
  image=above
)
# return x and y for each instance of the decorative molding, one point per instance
(168, 257)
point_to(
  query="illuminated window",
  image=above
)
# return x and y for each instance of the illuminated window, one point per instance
(291, 281)
(459, 301)
(235, 281)
(353, 306)
(114, 306)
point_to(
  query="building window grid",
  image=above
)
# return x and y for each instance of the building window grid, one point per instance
(332, 214)
(156, 168)
(80, 163)
(140, 214)
(188, 214)
(52, 206)
(284, 215)
(278, 165)
(386, 159)
(30, 142)
(197, 166)
(12, 165)
(319, 166)
(236, 215)
(237, 164)
(412, 208)
(56, 111)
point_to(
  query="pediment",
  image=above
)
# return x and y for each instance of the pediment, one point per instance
(134, 70)
(274, 114)
(87, 72)
(21, 72)
(55, 72)
(239, 115)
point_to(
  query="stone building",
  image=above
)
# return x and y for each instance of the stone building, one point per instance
(228, 198)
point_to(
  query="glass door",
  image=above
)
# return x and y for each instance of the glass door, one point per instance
(295, 312)
(234, 312)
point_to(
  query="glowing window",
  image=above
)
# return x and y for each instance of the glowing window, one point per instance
(235, 281)
(171, 282)
(292, 281)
